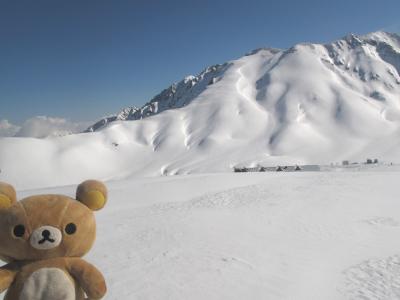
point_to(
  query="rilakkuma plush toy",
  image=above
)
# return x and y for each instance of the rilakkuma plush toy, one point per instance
(43, 237)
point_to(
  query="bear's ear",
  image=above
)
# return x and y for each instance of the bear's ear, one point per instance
(92, 193)
(8, 196)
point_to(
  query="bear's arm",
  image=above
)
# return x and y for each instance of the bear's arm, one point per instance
(88, 277)
(7, 275)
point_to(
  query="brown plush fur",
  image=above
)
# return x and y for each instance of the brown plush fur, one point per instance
(50, 211)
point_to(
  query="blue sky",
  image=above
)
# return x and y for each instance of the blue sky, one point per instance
(83, 59)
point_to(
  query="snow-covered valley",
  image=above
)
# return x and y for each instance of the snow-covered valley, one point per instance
(315, 235)
(310, 104)
(179, 224)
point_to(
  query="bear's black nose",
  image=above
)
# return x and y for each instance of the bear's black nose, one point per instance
(46, 233)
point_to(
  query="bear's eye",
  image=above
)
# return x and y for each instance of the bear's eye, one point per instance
(19, 230)
(70, 228)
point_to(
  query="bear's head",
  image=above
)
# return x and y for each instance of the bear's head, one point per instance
(48, 226)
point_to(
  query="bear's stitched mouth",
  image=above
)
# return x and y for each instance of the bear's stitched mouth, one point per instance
(46, 237)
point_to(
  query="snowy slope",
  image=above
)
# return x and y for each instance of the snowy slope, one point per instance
(311, 103)
(250, 236)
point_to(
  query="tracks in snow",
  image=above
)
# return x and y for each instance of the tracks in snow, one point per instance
(374, 279)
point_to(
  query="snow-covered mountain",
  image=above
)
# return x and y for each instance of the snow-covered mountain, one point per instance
(352, 54)
(175, 96)
(312, 103)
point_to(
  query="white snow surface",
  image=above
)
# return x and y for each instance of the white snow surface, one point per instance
(309, 104)
(315, 235)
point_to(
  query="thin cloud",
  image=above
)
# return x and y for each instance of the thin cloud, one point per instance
(8, 129)
(41, 127)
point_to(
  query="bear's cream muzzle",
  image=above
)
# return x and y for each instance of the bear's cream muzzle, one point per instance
(45, 237)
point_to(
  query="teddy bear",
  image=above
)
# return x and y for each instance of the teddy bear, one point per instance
(43, 239)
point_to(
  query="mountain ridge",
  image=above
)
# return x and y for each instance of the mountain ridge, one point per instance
(171, 97)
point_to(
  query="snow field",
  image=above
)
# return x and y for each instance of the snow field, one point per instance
(322, 235)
